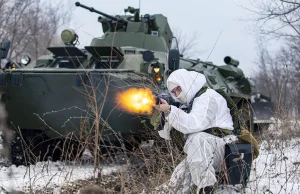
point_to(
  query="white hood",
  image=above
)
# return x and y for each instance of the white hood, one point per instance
(189, 81)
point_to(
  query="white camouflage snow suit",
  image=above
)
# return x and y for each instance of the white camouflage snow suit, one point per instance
(204, 151)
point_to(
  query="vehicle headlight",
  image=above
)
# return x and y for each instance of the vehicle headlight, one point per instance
(158, 78)
(68, 36)
(156, 69)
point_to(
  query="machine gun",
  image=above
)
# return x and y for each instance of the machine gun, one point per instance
(110, 19)
(166, 97)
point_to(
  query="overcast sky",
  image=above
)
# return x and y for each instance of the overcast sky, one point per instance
(208, 18)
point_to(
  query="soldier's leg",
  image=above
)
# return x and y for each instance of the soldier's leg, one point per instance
(205, 153)
(181, 179)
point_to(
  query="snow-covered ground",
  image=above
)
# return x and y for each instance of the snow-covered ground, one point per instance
(47, 174)
(276, 170)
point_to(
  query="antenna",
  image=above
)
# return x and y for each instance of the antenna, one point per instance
(140, 5)
(214, 46)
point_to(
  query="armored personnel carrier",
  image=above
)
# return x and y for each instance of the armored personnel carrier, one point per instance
(99, 93)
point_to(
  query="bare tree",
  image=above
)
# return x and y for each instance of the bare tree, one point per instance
(278, 72)
(278, 77)
(277, 18)
(187, 43)
(31, 25)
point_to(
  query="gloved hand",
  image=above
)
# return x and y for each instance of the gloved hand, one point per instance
(164, 106)
(155, 119)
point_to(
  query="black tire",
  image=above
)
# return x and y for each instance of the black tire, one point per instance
(15, 147)
(35, 146)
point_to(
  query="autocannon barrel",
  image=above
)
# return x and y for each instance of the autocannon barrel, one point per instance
(230, 61)
(91, 9)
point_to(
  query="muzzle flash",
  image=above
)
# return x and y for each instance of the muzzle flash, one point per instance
(136, 100)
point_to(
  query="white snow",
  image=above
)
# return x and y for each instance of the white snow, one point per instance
(47, 174)
(276, 170)
(43, 174)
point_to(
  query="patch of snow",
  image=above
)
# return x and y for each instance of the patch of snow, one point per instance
(276, 170)
(46, 174)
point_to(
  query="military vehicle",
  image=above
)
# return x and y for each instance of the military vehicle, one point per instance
(232, 80)
(71, 93)
(263, 109)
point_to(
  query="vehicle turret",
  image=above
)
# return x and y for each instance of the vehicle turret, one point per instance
(151, 32)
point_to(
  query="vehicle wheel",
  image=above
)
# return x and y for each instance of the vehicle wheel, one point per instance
(14, 148)
(16, 151)
(246, 115)
(39, 147)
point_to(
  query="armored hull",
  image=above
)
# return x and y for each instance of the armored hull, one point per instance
(58, 101)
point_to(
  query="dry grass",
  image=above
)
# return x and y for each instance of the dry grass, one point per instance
(151, 165)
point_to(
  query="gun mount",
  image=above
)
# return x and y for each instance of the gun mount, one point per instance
(134, 11)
